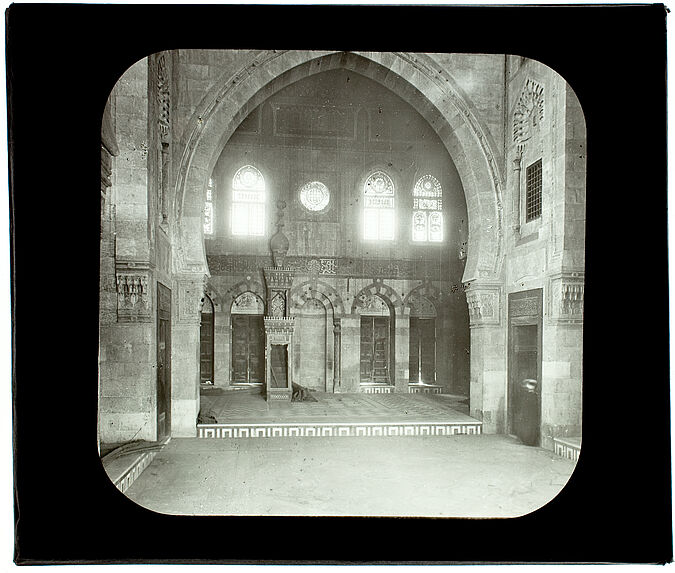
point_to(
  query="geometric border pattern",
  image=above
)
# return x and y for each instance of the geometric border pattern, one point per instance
(129, 476)
(566, 449)
(427, 389)
(333, 430)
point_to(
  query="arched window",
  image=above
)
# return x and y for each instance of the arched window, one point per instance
(378, 207)
(208, 209)
(427, 218)
(248, 202)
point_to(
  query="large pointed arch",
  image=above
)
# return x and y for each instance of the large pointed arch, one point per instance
(414, 77)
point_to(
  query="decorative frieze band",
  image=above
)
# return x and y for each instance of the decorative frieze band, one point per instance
(279, 330)
(337, 267)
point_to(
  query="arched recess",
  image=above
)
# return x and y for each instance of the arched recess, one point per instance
(414, 77)
(424, 336)
(384, 291)
(226, 331)
(318, 290)
(324, 294)
(241, 287)
(425, 291)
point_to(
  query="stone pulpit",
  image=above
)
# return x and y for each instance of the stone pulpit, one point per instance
(278, 323)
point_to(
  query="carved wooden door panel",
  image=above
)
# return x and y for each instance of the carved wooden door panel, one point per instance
(206, 348)
(248, 349)
(414, 352)
(428, 349)
(422, 361)
(163, 361)
(375, 349)
(256, 350)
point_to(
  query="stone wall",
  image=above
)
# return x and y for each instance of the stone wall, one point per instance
(173, 118)
(317, 301)
(548, 253)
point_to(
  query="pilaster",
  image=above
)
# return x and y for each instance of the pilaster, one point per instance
(188, 294)
(488, 383)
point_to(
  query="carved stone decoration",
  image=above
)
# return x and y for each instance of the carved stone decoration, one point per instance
(190, 296)
(421, 306)
(572, 303)
(134, 297)
(313, 267)
(484, 304)
(247, 303)
(373, 304)
(328, 266)
(566, 294)
(278, 305)
(279, 242)
(529, 111)
(163, 98)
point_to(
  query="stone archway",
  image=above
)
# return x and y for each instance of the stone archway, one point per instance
(321, 291)
(384, 291)
(433, 92)
(414, 77)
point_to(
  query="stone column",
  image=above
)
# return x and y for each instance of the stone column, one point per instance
(488, 386)
(350, 363)
(402, 352)
(337, 343)
(187, 294)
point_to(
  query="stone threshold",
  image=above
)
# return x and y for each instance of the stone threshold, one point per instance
(338, 429)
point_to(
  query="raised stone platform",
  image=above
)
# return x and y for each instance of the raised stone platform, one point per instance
(126, 468)
(567, 447)
(247, 415)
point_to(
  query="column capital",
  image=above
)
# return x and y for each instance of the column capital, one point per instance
(484, 300)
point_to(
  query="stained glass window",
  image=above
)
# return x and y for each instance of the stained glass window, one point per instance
(314, 196)
(208, 209)
(378, 207)
(248, 202)
(427, 218)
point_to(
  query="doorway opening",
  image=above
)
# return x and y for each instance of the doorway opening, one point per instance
(422, 362)
(206, 342)
(524, 369)
(163, 361)
(248, 340)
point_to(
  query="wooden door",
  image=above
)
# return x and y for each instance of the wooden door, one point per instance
(163, 361)
(206, 348)
(422, 362)
(375, 343)
(525, 326)
(248, 349)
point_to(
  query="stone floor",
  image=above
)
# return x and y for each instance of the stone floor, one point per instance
(240, 406)
(452, 476)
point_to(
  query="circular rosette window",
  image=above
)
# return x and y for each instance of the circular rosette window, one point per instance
(314, 196)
